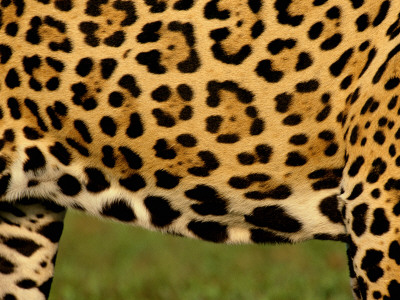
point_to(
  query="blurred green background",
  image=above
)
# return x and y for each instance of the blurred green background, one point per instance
(103, 260)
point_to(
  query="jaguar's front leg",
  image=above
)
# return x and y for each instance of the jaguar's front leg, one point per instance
(374, 249)
(30, 230)
(371, 193)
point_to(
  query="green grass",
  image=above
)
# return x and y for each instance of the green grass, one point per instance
(101, 260)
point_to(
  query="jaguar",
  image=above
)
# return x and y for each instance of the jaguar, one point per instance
(230, 121)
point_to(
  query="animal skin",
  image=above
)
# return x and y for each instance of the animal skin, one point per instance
(231, 121)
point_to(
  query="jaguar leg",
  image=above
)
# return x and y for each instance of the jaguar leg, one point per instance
(374, 249)
(371, 194)
(353, 277)
(30, 230)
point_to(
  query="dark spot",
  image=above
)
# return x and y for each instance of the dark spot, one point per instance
(315, 30)
(379, 137)
(257, 29)
(239, 182)
(35, 159)
(213, 123)
(5, 53)
(392, 83)
(278, 45)
(26, 284)
(326, 135)
(108, 66)
(22, 245)
(331, 42)
(274, 217)
(284, 17)
(377, 295)
(45, 287)
(265, 70)
(292, 120)
(376, 193)
(370, 264)
(283, 102)
(219, 52)
(69, 185)
(133, 183)
(346, 82)
(303, 61)
(337, 67)
(330, 208)
(333, 13)
(132, 158)
(394, 251)
(120, 210)
(96, 180)
(383, 10)
(357, 191)
(378, 168)
(257, 127)
(295, 159)
(9, 135)
(108, 126)
(162, 214)
(11, 208)
(264, 153)
(161, 94)
(394, 290)
(52, 231)
(362, 22)
(210, 163)
(298, 139)
(307, 86)
(185, 92)
(166, 180)
(31, 133)
(246, 158)
(214, 99)
(355, 166)
(128, 82)
(150, 33)
(14, 107)
(12, 79)
(116, 39)
(4, 182)
(108, 156)
(83, 130)
(163, 118)
(116, 99)
(63, 5)
(6, 266)
(84, 67)
(186, 140)
(186, 113)
(135, 128)
(163, 150)
(3, 163)
(211, 202)
(228, 138)
(151, 59)
(380, 223)
(209, 231)
(359, 219)
(255, 5)
(378, 75)
(34, 108)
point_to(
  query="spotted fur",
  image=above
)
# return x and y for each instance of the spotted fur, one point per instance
(231, 121)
